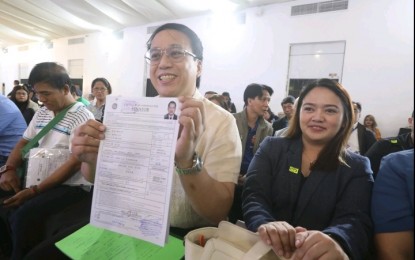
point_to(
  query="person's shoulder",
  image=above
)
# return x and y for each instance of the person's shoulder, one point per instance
(33, 105)
(77, 106)
(392, 141)
(43, 109)
(239, 116)
(396, 157)
(354, 159)
(83, 101)
(405, 139)
(280, 142)
(7, 104)
(266, 123)
(399, 164)
(43, 113)
(354, 156)
(280, 120)
(214, 110)
(238, 113)
(356, 165)
(81, 110)
(90, 106)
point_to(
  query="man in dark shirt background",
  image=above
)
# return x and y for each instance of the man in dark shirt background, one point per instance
(386, 146)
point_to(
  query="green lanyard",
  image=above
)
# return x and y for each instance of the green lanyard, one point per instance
(34, 142)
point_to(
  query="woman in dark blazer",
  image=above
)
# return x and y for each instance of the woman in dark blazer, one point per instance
(305, 194)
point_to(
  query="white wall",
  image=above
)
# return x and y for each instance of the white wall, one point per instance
(378, 68)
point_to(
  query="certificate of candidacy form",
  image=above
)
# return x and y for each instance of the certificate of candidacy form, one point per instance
(135, 167)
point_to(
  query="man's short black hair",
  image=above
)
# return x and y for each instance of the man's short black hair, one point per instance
(50, 73)
(172, 102)
(254, 90)
(76, 90)
(288, 99)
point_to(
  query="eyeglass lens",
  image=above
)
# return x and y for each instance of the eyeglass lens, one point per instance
(176, 54)
(99, 89)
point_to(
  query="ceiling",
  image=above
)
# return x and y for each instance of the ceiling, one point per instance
(25, 21)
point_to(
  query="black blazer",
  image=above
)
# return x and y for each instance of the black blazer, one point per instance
(366, 138)
(336, 203)
(280, 123)
(166, 116)
(386, 146)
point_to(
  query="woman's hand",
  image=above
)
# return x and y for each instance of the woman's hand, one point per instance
(280, 236)
(317, 245)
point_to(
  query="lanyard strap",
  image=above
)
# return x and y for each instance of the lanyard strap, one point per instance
(34, 142)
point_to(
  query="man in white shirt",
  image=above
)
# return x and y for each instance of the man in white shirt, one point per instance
(202, 192)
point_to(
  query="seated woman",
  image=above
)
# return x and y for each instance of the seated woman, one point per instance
(370, 123)
(100, 87)
(305, 194)
(20, 96)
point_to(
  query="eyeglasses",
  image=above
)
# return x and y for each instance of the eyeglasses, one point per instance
(99, 89)
(176, 54)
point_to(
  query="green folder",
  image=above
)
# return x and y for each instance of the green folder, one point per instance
(91, 242)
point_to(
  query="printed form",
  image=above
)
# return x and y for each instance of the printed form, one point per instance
(135, 167)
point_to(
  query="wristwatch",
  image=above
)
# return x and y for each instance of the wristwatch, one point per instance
(6, 168)
(196, 167)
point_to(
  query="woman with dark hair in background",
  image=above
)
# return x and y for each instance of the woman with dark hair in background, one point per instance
(100, 88)
(20, 96)
(229, 103)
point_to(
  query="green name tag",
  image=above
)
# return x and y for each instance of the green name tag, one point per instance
(293, 170)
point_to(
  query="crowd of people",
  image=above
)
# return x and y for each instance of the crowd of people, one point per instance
(305, 181)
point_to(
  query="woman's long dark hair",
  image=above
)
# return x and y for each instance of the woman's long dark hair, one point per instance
(13, 96)
(333, 154)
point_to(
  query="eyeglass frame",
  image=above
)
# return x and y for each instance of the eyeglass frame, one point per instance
(164, 51)
(99, 89)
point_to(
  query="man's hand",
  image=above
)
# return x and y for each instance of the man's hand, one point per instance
(19, 198)
(241, 180)
(10, 181)
(85, 142)
(191, 128)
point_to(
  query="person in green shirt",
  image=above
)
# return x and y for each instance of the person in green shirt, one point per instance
(77, 95)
